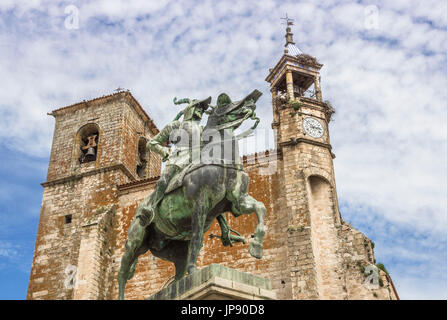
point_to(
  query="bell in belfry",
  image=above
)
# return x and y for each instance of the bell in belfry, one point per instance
(90, 155)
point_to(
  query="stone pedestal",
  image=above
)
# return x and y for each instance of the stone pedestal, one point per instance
(217, 282)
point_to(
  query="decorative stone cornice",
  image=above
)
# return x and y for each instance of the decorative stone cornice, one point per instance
(303, 59)
(260, 157)
(137, 183)
(107, 98)
(295, 141)
(76, 177)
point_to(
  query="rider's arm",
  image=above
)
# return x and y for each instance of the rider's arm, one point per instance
(156, 143)
(178, 115)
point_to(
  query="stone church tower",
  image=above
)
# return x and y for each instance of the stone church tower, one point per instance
(99, 172)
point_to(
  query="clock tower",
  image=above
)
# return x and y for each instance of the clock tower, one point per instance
(317, 251)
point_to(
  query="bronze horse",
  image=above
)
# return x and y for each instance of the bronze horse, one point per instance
(208, 191)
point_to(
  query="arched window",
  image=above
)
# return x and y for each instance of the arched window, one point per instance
(142, 158)
(87, 143)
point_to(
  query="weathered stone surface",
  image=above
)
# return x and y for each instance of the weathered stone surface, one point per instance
(309, 251)
(299, 246)
(217, 282)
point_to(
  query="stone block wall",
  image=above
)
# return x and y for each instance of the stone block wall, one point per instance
(309, 251)
(152, 273)
(120, 126)
(69, 247)
(289, 246)
(58, 243)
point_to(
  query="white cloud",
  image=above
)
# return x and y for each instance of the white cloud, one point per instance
(7, 251)
(387, 84)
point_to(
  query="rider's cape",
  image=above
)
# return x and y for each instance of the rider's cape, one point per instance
(254, 95)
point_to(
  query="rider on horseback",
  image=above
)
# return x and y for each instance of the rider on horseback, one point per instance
(172, 226)
(185, 135)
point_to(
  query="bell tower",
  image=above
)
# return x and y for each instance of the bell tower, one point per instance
(97, 145)
(296, 96)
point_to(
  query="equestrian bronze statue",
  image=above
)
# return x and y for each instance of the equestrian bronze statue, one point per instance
(203, 178)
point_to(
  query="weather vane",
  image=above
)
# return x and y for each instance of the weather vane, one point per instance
(288, 21)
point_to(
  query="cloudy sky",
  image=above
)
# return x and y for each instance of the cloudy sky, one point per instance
(384, 72)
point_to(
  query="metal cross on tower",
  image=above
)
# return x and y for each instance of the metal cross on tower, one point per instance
(288, 21)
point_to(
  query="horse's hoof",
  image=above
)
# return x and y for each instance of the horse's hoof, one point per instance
(255, 249)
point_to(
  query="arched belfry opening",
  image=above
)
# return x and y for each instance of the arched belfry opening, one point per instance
(142, 158)
(87, 143)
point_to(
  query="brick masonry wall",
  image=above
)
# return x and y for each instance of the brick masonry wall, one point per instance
(120, 126)
(309, 252)
(80, 250)
(57, 243)
(288, 239)
(131, 130)
(152, 273)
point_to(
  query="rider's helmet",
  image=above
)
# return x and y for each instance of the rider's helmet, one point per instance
(223, 99)
(195, 109)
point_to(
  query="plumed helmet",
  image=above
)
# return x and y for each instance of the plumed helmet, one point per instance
(225, 105)
(189, 111)
(223, 99)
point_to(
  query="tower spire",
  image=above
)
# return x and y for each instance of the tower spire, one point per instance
(289, 34)
(290, 48)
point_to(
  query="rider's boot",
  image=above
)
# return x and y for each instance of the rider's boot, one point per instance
(148, 211)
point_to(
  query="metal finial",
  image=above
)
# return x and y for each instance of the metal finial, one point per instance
(288, 21)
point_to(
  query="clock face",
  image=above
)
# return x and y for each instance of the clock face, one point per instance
(313, 127)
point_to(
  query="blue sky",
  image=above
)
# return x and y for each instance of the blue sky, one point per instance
(384, 72)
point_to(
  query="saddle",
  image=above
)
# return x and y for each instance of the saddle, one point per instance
(177, 180)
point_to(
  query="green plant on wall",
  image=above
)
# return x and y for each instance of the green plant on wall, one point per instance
(361, 267)
(296, 105)
(382, 267)
(293, 228)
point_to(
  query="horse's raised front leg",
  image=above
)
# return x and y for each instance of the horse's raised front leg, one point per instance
(247, 205)
(135, 246)
(226, 237)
